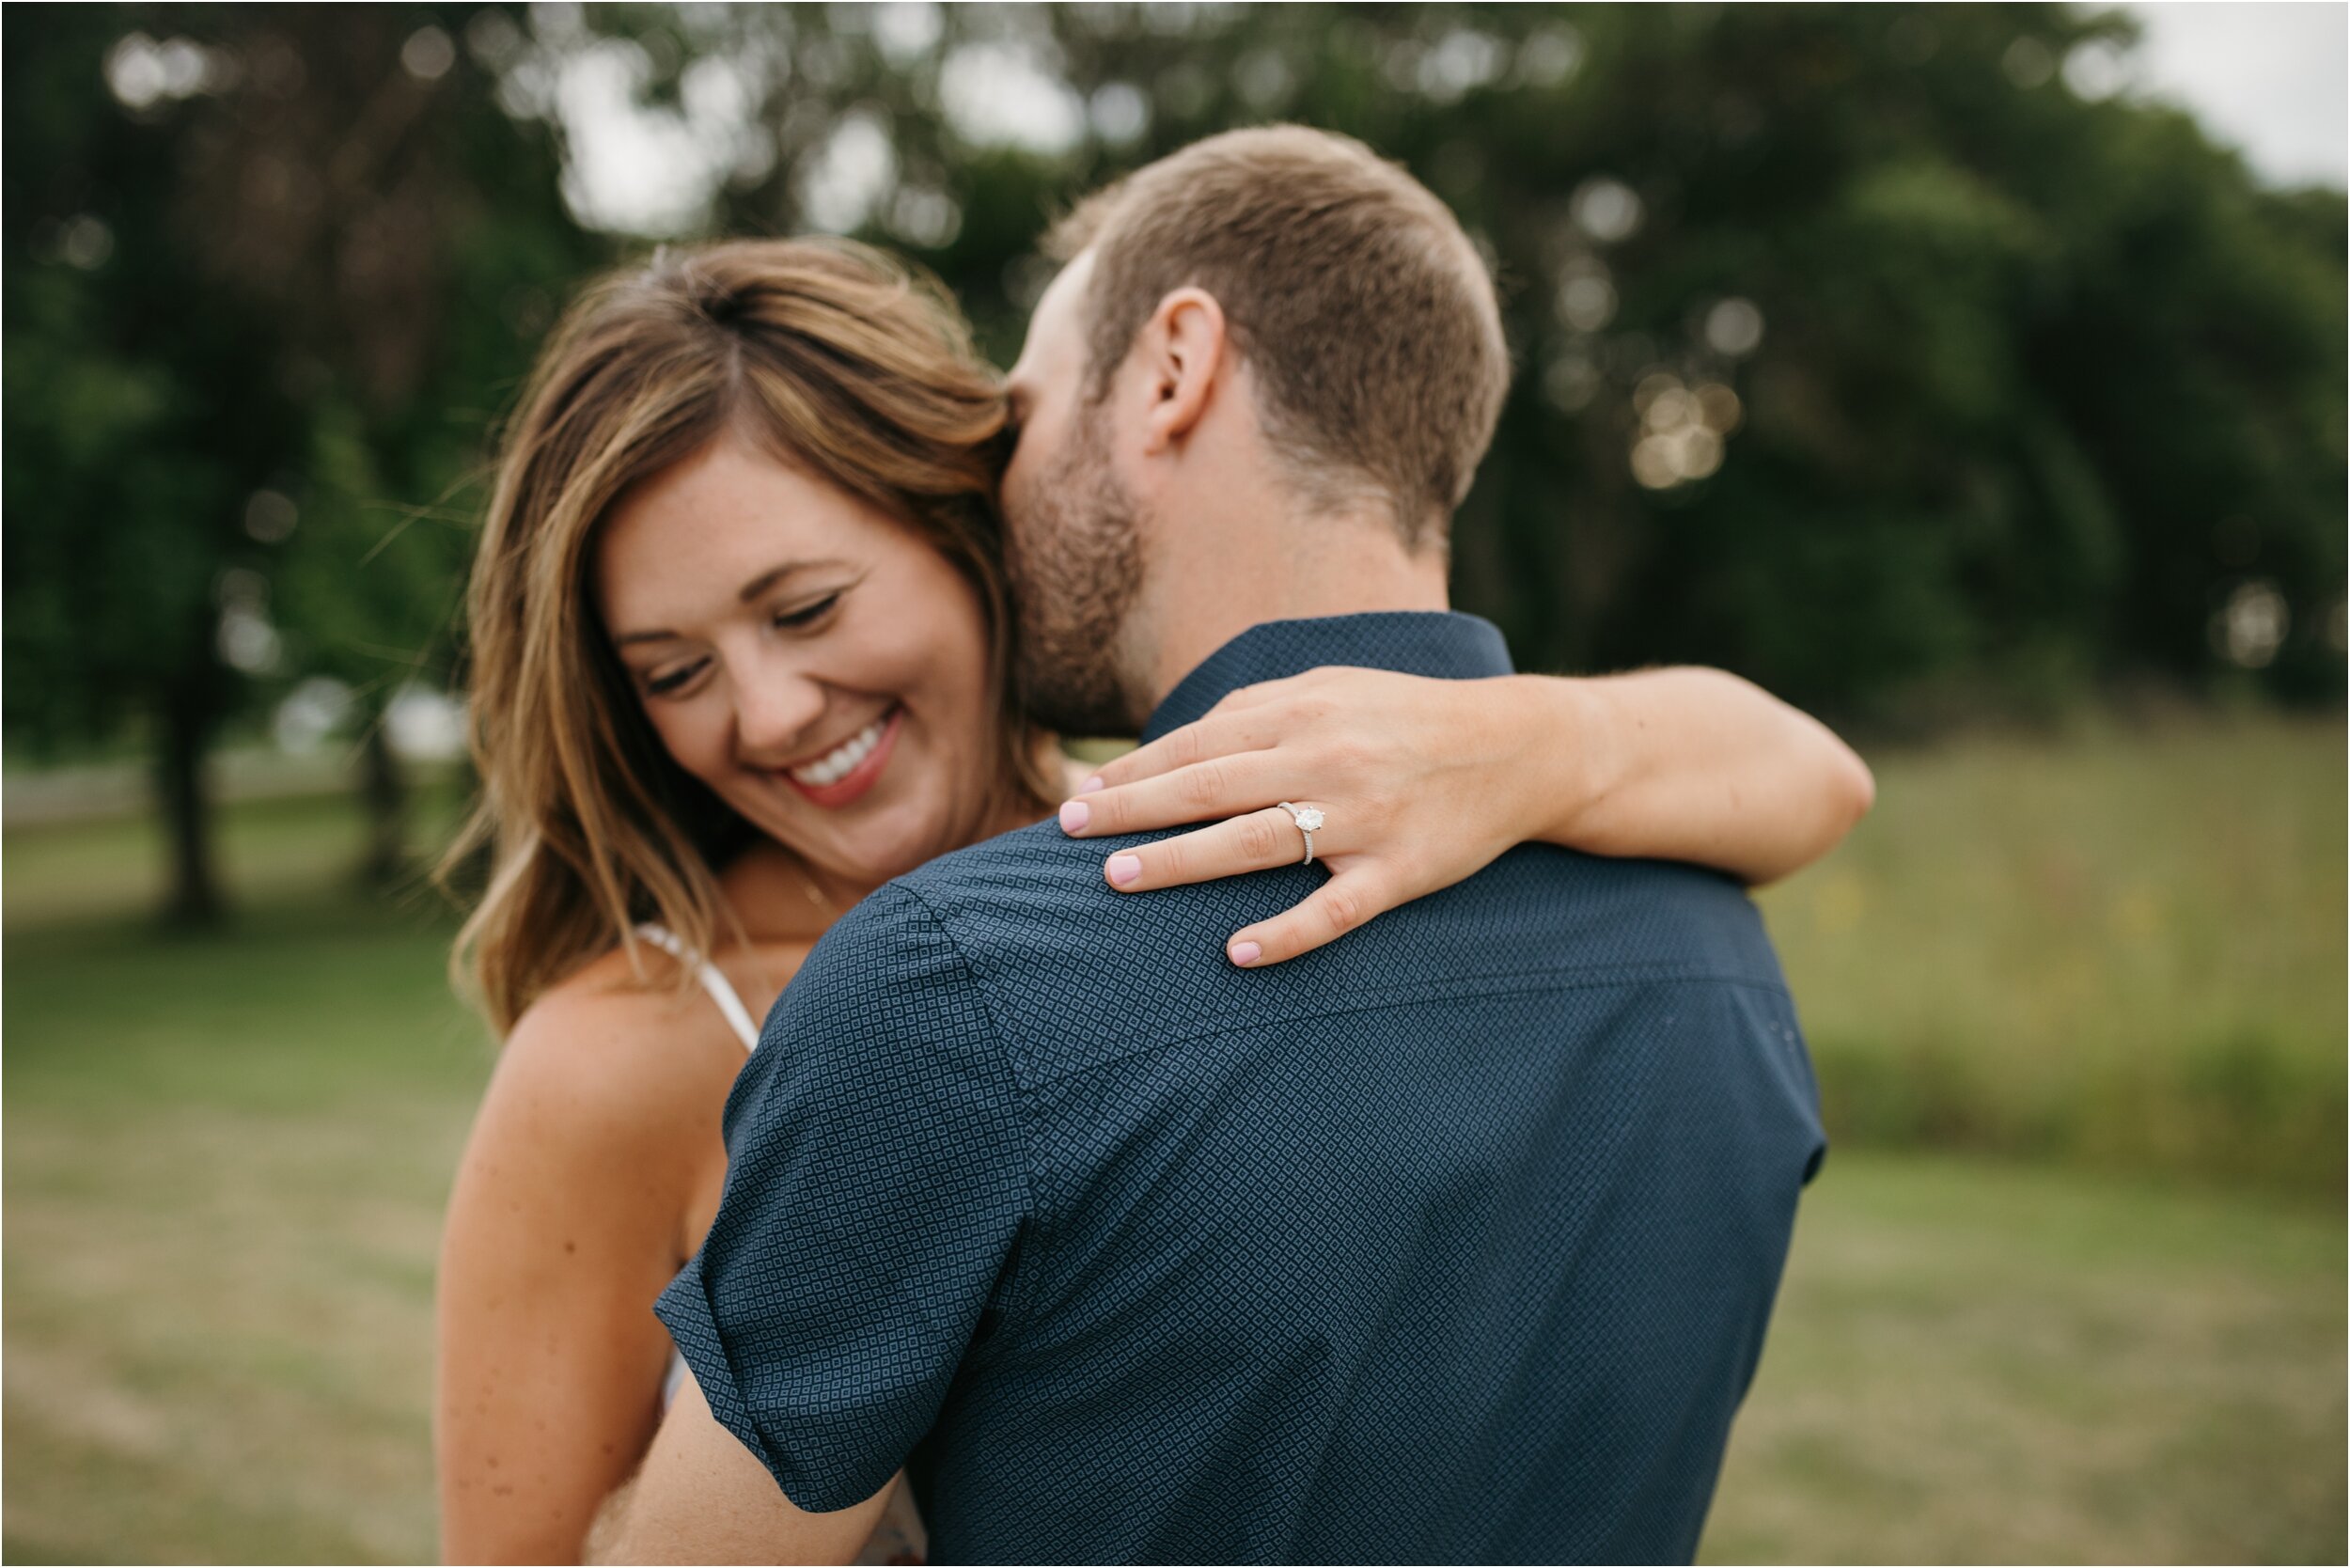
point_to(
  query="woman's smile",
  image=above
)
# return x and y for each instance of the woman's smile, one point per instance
(842, 774)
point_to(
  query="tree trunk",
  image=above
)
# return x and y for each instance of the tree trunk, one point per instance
(384, 791)
(184, 792)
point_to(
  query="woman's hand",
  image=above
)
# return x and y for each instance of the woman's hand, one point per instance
(1420, 783)
(1423, 783)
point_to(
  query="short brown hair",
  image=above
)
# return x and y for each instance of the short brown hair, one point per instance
(1363, 311)
(840, 360)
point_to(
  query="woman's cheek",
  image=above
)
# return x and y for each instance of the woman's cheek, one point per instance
(693, 739)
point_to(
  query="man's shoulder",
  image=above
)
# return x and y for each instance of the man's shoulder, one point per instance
(1031, 873)
(1021, 851)
(1056, 950)
(1059, 956)
(1035, 894)
(887, 996)
(924, 924)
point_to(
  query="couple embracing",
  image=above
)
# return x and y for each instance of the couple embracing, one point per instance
(1095, 1192)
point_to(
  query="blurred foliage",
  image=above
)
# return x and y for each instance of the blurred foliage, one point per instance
(1877, 352)
(2028, 388)
(258, 271)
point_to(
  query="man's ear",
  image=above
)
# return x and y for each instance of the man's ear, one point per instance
(1184, 345)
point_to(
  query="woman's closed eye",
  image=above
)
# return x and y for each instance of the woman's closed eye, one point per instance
(808, 614)
(671, 679)
(668, 682)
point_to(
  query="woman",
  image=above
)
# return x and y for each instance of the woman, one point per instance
(740, 656)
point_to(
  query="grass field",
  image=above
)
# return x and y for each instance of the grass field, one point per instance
(225, 1156)
(2123, 951)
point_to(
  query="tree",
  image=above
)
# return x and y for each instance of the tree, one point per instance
(1874, 351)
(262, 265)
(1877, 352)
(137, 428)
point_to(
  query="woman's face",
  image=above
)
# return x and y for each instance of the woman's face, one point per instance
(806, 656)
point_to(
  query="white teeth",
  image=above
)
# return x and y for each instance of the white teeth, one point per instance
(837, 763)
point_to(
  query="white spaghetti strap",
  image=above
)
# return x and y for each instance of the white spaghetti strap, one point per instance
(714, 980)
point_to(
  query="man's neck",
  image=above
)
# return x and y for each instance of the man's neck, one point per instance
(1211, 583)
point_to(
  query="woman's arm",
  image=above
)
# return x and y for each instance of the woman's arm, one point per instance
(1690, 764)
(562, 1228)
(1423, 783)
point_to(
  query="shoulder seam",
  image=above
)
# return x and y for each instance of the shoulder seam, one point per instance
(1391, 997)
(1024, 1276)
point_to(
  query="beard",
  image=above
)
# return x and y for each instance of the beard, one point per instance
(1074, 562)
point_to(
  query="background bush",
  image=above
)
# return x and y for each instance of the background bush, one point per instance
(1867, 350)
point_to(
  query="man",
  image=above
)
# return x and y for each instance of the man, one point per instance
(1453, 1241)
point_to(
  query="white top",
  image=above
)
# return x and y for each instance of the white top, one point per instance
(738, 1019)
(714, 980)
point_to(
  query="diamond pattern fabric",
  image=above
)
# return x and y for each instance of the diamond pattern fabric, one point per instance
(1454, 1241)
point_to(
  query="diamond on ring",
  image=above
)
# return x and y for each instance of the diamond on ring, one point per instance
(1307, 818)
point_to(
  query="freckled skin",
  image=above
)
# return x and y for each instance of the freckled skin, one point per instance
(568, 1362)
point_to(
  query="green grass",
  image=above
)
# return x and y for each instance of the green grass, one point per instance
(225, 1158)
(1973, 1363)
(2123, 951)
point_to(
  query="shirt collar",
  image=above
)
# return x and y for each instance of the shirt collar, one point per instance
(1445, 644)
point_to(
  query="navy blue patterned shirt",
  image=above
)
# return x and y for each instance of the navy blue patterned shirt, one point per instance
(1453, 1241)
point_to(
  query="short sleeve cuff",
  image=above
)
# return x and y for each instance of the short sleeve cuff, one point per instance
(685, 1310)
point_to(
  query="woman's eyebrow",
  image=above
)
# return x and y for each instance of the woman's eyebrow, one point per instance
(769, 578)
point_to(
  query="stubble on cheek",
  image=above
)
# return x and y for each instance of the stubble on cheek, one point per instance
(1076, 573)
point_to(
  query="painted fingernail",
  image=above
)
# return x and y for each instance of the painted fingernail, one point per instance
(1125, 868)
(1074, 814)
(1090, 785)
(1245, 953)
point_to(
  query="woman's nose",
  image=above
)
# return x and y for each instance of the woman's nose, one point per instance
(776, 713)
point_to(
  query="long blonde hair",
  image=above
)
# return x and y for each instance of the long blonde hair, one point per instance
(858, 369)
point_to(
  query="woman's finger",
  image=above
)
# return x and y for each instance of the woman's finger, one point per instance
(1223, 731)
(1342, 904)
(1263, 692)
(1199, 793)
(1256, 843)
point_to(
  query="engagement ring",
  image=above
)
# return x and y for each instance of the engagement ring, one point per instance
(1307, 818)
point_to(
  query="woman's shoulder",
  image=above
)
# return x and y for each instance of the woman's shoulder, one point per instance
(614, 1044)
(602, 1111)
(618, 994)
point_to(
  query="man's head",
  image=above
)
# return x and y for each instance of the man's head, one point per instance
(1273, 320)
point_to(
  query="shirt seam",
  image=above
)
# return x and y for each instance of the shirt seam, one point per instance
(1386, 998)
(1024, 1274)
